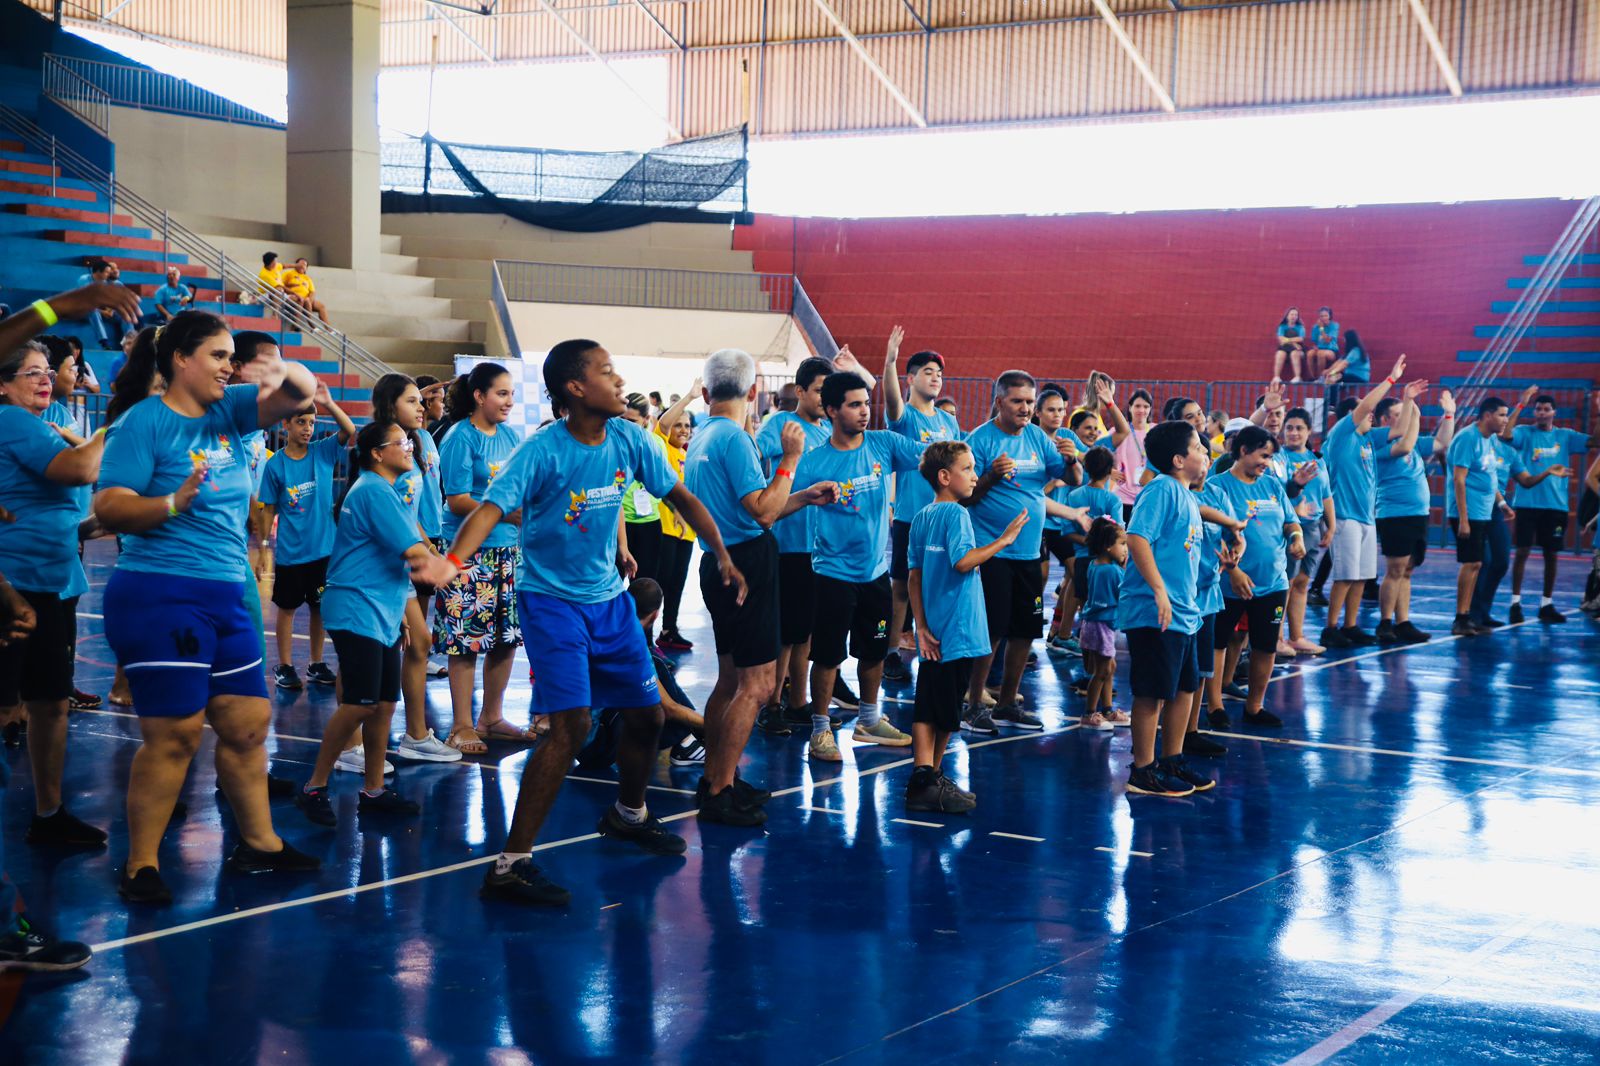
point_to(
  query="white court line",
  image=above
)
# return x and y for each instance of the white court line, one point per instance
(603, 781)
(913, 821)
(1328, 663)
(820, 810)
(1139, 854)
(1401, 1000)
(1570, 771)
(1016, 836)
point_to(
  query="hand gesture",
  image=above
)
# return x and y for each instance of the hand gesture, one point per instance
(1103, 394)
(1015, 527)
(184, 497)
(696, 387)
(322, 397)
(793, 442)
(106, 297)
(732, 577)
(1414, 389)
(846, 361)
(928, 644)
(626, 563)
(1447, 402)
(1304, 473)
(1527, 395)
(1399, 370)
(436, 389)
(1560, 470)
(434, 570)
(1297, 547)
(1243, 587)
(1066, 447)
(1002, 466)
(822, 493)
(1273, 399)
(892, 353)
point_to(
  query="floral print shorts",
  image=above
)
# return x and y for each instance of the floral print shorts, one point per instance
(477, 612)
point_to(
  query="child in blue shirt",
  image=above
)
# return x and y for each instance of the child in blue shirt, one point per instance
(1108, 547)
(948, 607)
(1096, 497)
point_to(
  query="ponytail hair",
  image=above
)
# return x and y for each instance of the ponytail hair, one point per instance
(133, 381)
(461, 402)
(370, 438)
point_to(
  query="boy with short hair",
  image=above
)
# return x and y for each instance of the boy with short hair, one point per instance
(947, 605)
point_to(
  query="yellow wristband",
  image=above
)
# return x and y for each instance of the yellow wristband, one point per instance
(46, 312)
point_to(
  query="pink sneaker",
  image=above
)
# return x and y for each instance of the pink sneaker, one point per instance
(1116, 717)
(1096, 721)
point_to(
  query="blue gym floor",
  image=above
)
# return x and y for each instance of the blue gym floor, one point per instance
(1408, 873)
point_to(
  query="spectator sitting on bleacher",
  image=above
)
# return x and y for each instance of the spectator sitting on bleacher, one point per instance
(269, 278)
(1324, 347)
(109, 326)
(301, 289)
(171, 298)
(1353, 365)
(1291, 345)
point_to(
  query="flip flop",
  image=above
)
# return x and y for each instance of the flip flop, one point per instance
(505, 731)
(472, 746)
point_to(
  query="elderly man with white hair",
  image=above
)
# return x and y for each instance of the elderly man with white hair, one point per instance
(723, 470)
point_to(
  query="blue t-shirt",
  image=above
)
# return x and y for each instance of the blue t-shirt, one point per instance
(1325, 338)
(1037, 462)
(369, 581)
(1539, 450)
(254, 447)
(793, 532)
(1348, 456)
(302, 491)
(1402, 481)
(912, 493)
(850, 536)
(571, 495)
(1291, 331)
(1102, 503)
(39, 551)
(1477, 454)
(721, 468)
(1357, 367)
(171, 297)
(420, 488)
(469, 462)
(952, 602)
(1105, 589)
(1167, 515)
(1313, 492)
(1208, 581)
(57, 414)
(152, 450)
(1264, 506)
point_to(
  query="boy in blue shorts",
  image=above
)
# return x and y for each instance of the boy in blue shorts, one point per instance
(947, 605)
(569, 480)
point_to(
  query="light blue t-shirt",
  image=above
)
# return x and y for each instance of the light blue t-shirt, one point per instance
(254, 448)
(1325, 338)
(571, 495)
(1508, 464)
(850, 536)
(1264, 506)
(912, 493)
(1348, 456)
(57, 414)
(793, 532)
(1061, 493)
(721, 468)
(302, 491)
(420, 488)
(1402, 481)
(39, 551)
(469, 462)
(1105, 589)
(1539, 450)
(369, 581)
(952, 602)
(1313, 492)
(1102, 503)
(1167, 515)
(152, 450)
(1208, 581)
(1475, 453)
(1037, 463)
(1358, 368)
(171, 297)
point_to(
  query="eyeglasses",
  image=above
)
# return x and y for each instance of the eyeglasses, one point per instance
(404, 444)
(33, 376)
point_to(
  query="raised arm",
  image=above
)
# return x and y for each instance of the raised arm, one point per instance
(894, 405)
(847, 361)
(1369, 402)
(324, 398)
(1108, 407)
(670, 415)
(285, 388)
(1271, 400)
(1516, 412)
(1410, 419)
(78, 303)
(1445, 431)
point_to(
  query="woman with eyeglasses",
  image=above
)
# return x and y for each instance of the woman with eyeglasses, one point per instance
(364, 607)
(175, 482)
(41, 468)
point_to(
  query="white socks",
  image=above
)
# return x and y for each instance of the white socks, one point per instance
(1546, 601)
(869, 715)
(630, 815)
(504, 861)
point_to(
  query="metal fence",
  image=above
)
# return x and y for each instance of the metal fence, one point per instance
(701, 290)
(150, 90)
(77, 94)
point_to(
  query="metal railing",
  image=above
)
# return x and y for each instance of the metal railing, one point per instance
(126, 85)
(700, 290)
(502, 310)
(77, 94)
(179, 239)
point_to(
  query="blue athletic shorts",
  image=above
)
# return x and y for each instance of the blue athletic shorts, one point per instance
(587, 654)
(182, 640)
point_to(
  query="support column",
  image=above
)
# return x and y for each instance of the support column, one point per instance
(333, 167)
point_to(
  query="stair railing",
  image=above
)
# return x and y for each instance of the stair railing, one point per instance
(77, 94)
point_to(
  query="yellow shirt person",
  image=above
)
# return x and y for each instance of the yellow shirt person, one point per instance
(296, 282)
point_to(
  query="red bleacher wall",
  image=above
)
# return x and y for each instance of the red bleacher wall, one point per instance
(1163, 295)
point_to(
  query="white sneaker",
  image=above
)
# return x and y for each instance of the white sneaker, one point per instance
(429, 749)
(688, 752)
(354, 761)
(437, 667)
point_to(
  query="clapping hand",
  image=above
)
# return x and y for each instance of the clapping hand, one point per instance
(1414, 389)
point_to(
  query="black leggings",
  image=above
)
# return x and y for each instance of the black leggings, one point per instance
(672, 570)
(644, 544)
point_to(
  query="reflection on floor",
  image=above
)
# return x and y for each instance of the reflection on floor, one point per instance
(1408, 872)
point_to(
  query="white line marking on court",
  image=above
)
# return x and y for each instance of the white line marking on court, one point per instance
(1139, 854)
(1016, 836)
(1401, 1000)
(820, 810)
(613, 784)
(1569, 771)
(608, 906)
(1326, 664)
(913, 821)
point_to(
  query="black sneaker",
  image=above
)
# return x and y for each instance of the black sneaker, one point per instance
(1218, 719)
(26, 948)
(387, 802)
(63, 830)
(1154, 780)
(1014, 715)
(1333, 638)
(281, 787)
(145, 886)
(1550, 616)
(1317, 598)
(1410, 634)
(937, 794)
(320, 674)
(1516, 614)
(1369, 592)
(648, 835)
(1235, 691)
(1176, 767)
(14, 733)
(524, 883)
(1386, 633)
(727, 808)
(797, 715)
(315, 805)
(773, 720)
(843, 696)
(749, 794)
(1466, 627)
(1262, 720)
(978, 721)
(688, 752)
(1488, 623)
(247, 860)
(973, 796)
(1358, 637)
(1198, 744)
(285, 678)
(895, 668)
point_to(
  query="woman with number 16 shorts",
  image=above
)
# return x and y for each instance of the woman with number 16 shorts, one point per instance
(176, 484)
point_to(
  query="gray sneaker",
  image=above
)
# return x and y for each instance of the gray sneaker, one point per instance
(1013, 714)
(941, 796)
(978, 721)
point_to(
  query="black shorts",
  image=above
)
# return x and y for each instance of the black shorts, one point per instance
(746, 631)
(369, 672)
(1161, 662)
(797, 597)
(40, 667)
(1055, 544)
(1013, 598)
(1544, 526)
(1205, 646)
(857, 612)
(1080, 576)
(299, 583)
(941, 686)
(1406, 535)
(899, 546)
(1265, 614)
(1469, 549)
